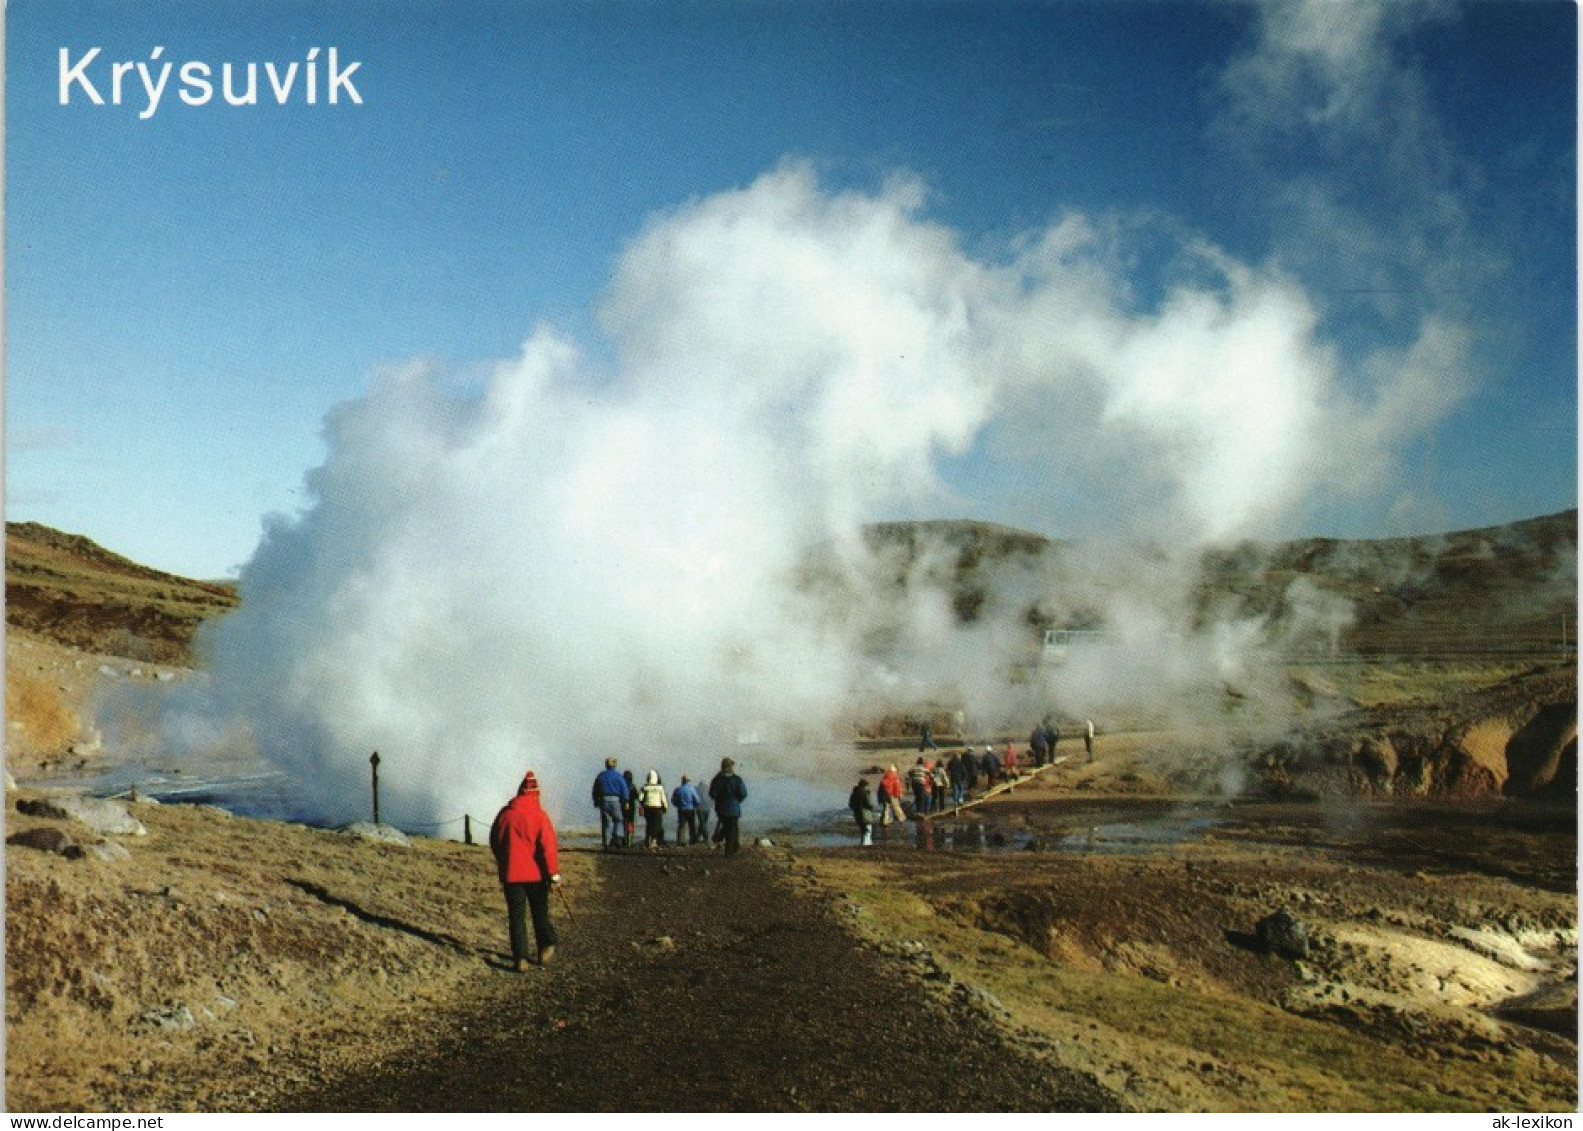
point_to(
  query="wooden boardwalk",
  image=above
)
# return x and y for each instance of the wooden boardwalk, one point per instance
(1003, 787)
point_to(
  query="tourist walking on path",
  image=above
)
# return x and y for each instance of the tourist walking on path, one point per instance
(991, 767)
(523, 843)
(652, 799)
(942, 785)
(890, 797)
(728, 793)
(861, 802)
(687, 804)
(921, 778)
(1039, 746)
(705, 808)
(629, 810)
(610, 790)
(956, 772)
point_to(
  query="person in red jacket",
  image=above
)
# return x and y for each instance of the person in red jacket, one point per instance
(523, 841)
(890, 798)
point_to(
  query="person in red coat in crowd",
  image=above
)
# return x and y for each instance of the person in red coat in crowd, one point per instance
(523, 841)
(890, 798)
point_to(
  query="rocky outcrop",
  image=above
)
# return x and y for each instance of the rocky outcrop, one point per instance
(47, 839)
(1516, 739)
(1541, 757)
(383, 833)
(107, 818)
(1284, 934)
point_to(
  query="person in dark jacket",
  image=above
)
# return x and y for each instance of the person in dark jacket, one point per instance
(629, 810)
(956, 771)
(1039, 746)
(861, 802)
(990, 764)
(728, 793)
(522, 840)
(610, 790)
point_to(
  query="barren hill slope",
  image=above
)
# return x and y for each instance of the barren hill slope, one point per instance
(68, 589)
(1503, 590)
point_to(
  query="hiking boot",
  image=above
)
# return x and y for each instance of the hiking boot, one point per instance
(546, 956)
(520, 965)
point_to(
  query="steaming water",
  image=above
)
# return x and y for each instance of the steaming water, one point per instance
(255, 792)
(784, 815)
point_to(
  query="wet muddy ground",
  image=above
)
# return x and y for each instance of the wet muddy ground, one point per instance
(1441, 970)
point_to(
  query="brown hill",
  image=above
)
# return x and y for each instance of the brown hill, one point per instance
(1506, 590)
(69, 590)
(1497, 591)
(1493, 591)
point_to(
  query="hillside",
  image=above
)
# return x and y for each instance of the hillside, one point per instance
(68, 589)
(1507, 590)
(1499, 591)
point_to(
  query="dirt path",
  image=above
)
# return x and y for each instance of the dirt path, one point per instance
(672, 995)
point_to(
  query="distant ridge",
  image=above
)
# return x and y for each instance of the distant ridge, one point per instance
(1496, 589)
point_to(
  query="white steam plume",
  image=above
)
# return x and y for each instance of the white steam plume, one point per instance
(565, 561)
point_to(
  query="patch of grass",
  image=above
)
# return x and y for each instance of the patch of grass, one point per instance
(1394, 684)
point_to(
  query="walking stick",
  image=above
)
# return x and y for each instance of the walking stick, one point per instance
(565, 902)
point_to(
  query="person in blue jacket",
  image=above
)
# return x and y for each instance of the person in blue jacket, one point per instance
(728, 793)
(610, 791)
(687, 801)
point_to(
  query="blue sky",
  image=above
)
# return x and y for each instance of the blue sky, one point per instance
(188, 295)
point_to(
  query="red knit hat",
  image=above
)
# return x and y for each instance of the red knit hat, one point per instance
(530, 784)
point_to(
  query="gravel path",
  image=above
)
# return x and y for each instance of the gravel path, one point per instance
(671, 994)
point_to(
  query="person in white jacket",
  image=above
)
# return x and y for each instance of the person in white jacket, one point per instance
(652, 799)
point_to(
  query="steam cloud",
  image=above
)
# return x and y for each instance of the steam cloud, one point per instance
(570, 560)
(589, 553)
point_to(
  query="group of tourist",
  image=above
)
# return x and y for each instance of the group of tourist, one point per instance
(620, 800)
(947, 782)
(522, 839)
(523, 843)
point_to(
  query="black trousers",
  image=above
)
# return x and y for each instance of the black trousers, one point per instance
(520, 900)
(726, 830)
(653, 826)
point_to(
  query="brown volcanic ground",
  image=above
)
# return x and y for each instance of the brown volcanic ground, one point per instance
(1084, 942)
